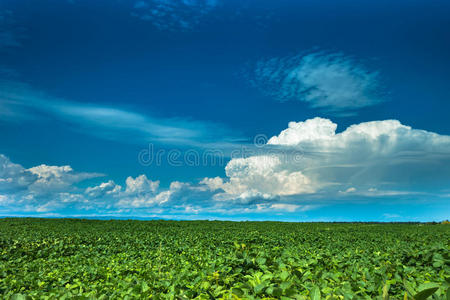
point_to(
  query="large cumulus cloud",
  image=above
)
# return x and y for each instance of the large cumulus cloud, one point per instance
(365, 158)
(259, 176)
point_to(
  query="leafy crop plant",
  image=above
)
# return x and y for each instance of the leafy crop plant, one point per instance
(90, 259)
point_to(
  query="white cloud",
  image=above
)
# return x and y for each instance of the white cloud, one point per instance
(391, 216)
(213, 184)
(380, 158)
(140, 192)
(264, 175)
(42, 187)
(56, 178)
(284, 206)
(141, 184)
(377, 138)
(104, 189)
(349, 190)
(144, 193)
(288, 207)
(4, 199)
(310, 130)
(330, 81)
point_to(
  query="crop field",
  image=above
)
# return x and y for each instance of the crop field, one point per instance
(88, 259)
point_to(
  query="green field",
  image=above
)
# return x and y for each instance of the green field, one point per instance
(62, 258)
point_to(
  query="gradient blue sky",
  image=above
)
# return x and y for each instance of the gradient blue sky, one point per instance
(87, 88)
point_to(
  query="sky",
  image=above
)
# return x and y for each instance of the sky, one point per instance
(233, 110)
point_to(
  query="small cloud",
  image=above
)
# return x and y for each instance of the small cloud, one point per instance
(391, 216)
(56, 178)
(213, 184)
(3, 200)
(284, 206)
(333, 82)
(141, 184)
(174, 14)
(104, 189)
(349, 190)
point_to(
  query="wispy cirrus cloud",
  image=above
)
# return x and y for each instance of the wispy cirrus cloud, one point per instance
(174, 14)
(19, 101)
(333, 82)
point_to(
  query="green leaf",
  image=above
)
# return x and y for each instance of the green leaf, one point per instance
(259, 287)
(260, 260)
(284, 275)
(422, 295)
(238, 292)
(408, 287)
(285, 285)
(438, 263)
(145, 287)
(386, 292)
(315, 293)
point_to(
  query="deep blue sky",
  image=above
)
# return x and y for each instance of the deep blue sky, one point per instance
(194, 64)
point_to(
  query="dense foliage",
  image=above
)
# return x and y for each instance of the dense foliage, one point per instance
(62, 258)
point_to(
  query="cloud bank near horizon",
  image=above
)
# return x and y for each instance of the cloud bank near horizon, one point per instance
(371, 160)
